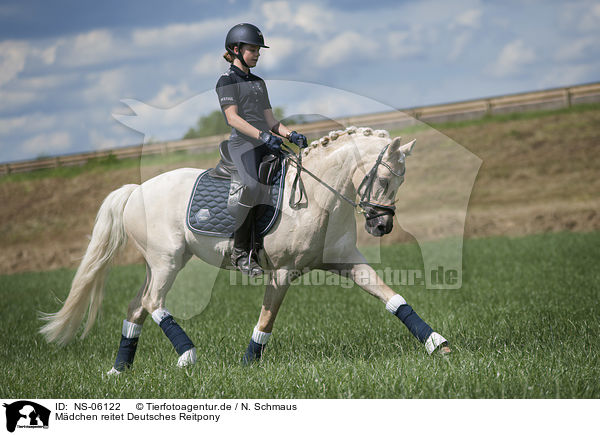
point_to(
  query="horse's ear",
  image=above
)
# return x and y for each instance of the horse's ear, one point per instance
(395, 145)
(407, 149)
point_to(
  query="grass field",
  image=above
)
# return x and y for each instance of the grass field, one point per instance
(524, 325)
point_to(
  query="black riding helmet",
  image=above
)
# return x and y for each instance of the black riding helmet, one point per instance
(243, 33)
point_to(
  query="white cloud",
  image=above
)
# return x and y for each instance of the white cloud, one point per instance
(469, 18)
(31, 122)
(314, 18)
(458, 46)
(91, 48)
(589, 19)
(49, 54)
(311, 18)
(281, 49)
(513, 57)
(566, 75)
(170, 95)
(16, 99)
(45, 82)
(175, 35)
(47, 143)
(347, 46)
(276, 13)
(579, 49)
(105, 86)
(211, 65)
(404, 44)
(12, 59)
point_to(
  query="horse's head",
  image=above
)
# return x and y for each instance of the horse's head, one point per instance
(378, 188)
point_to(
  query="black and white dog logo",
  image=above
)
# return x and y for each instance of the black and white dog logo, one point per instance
(26, 414)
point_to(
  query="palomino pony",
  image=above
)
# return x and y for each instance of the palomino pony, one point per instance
(319, 234)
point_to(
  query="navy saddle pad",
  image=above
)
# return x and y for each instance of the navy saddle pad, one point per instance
(207, 212)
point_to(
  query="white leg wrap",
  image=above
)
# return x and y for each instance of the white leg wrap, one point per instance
(113, 372)
(259, 336)
(394, 303)
(188, 358)
(131, 330)
(159, 315)
(433, 342)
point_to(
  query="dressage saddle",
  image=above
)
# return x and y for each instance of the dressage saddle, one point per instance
(226, 170)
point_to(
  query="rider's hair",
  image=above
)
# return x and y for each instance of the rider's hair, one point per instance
(228, 57)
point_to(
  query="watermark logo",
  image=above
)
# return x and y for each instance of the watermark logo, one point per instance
(24, 414)
(431, 204)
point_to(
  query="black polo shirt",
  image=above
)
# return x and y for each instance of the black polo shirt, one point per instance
(248, 92)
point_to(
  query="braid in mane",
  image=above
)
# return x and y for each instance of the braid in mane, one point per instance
(336, 135)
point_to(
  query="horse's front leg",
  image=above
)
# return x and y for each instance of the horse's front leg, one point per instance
(275, 291)
(366, 278)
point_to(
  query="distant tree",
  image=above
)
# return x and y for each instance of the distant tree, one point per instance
(214, 123)
(209, 125)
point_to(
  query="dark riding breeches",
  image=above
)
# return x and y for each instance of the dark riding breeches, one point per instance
(247, 156)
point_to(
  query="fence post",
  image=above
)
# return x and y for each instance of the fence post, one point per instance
(488, 107)
(568, 97)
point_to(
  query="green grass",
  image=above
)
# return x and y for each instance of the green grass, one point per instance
(524, 325)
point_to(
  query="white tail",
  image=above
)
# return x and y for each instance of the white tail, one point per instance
(87, 289)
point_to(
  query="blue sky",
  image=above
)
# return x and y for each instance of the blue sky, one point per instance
(66, 65)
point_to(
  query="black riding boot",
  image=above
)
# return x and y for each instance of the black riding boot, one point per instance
(243, 257)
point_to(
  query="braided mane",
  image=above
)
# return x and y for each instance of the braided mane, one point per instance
(336, 135)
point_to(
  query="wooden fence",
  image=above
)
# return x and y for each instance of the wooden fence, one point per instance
(472, 109)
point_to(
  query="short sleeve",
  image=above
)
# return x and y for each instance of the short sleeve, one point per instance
(227, 91)
(266, 102)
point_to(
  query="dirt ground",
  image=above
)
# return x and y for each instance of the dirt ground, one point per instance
(537, 175)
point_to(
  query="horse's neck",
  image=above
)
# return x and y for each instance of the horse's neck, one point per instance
(333, 167)
(336, 167)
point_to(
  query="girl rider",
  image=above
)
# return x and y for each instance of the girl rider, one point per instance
(245, 103)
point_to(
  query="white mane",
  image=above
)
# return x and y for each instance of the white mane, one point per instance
(339, 136)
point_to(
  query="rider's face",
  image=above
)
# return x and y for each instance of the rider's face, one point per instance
(250, 53)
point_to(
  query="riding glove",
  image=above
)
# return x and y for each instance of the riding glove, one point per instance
(298, 139)
(272, 142)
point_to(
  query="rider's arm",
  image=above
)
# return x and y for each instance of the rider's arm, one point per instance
(239, 123)
(276, 126)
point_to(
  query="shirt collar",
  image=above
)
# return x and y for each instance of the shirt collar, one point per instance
(239, 72)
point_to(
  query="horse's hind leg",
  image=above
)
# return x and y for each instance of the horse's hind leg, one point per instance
(151, 300)
(132, 329)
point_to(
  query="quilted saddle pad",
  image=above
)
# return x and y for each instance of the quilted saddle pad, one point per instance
(207, 212)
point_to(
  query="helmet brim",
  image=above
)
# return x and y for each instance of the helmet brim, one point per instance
(254, 43)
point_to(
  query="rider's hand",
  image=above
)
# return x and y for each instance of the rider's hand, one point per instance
(273, 142)
(298, 139)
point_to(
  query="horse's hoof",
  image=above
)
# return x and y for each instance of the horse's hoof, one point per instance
(436, 341)
(187, 358)
(113, 372)
(444, 348)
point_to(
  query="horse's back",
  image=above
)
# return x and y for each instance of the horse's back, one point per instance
(156, 210)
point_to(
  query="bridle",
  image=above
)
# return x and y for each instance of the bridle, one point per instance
(364, 203)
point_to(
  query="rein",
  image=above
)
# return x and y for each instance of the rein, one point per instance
(367, 183)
